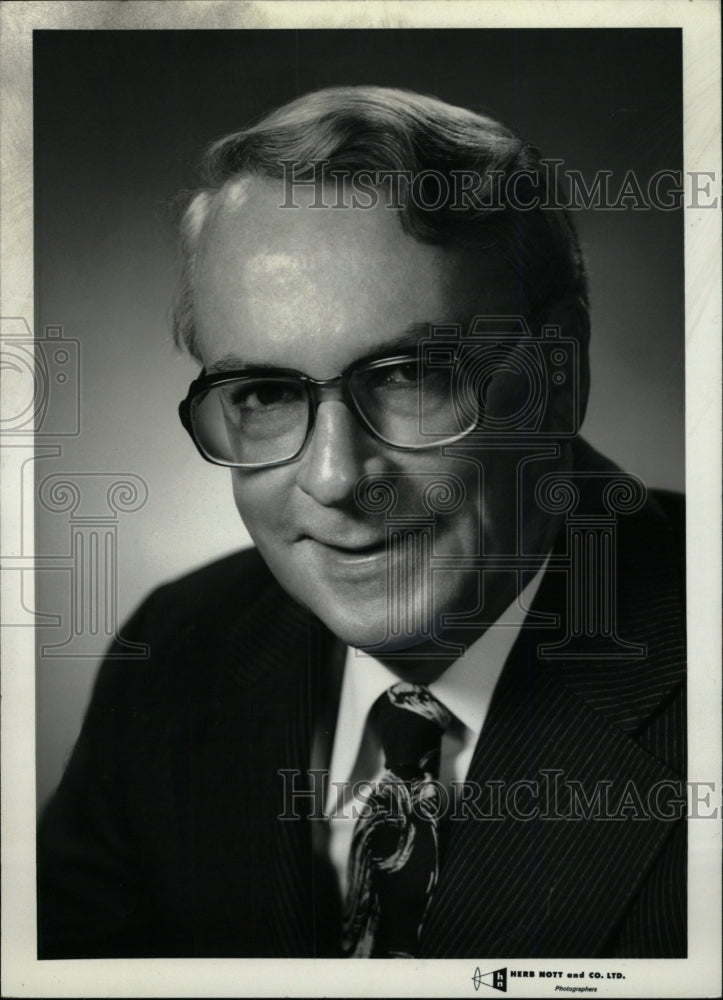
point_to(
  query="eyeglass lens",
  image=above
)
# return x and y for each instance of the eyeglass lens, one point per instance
(257, 421)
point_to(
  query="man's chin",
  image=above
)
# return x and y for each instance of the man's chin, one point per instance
(365, 617)
(369, 636)
(375, 635)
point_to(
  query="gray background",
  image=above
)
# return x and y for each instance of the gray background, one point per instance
(121, 119)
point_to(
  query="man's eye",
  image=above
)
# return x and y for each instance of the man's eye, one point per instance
(402, 376)
(260, 396)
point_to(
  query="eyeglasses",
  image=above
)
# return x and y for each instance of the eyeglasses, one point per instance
(259, 418)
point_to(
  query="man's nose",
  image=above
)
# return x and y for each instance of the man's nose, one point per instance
(335, 456)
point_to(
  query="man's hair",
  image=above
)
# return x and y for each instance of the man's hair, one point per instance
(343, 130)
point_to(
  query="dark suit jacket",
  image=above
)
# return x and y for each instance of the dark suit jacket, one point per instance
(163, 838)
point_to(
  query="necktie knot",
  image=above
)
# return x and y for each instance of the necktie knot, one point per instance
(411, 723)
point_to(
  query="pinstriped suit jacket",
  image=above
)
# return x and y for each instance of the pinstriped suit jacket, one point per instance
(164, 839)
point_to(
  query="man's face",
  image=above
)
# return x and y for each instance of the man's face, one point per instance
(316, 290)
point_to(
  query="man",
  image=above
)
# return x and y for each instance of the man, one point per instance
(437, 711)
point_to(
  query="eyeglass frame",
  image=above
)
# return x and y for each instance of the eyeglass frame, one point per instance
(315, 390)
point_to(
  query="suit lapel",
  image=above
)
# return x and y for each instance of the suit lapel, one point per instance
(545, 886)
(278, 666)
(558, 886)
(247, 744)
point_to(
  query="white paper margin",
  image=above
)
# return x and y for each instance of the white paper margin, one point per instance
(696, 976)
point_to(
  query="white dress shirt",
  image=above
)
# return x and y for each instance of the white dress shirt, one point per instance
(465, 689)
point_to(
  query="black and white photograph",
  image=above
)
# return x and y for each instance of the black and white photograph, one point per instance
(361, 555)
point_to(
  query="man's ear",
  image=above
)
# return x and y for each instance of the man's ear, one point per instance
(569, 382)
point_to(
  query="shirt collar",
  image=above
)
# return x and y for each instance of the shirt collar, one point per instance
(364, 680)
(465, 688)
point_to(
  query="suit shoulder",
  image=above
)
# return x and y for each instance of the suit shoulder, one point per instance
(185, 627)
(672, 506)
(194, 611)
(662, 513)
(662, 522)
(210, 582)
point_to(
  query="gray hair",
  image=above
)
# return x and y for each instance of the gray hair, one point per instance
(347, 129)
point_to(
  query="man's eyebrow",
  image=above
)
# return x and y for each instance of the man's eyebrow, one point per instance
(233, 362)
(409, 338)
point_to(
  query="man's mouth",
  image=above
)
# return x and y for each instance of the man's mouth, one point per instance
(351, 548)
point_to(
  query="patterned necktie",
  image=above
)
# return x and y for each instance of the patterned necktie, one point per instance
(393, 862)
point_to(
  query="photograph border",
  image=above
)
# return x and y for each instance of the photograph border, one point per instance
(697, 975)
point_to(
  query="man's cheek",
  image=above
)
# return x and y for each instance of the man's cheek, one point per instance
(258, 500)
(486, 519)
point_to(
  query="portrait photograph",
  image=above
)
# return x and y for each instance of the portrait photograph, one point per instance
(361, 516)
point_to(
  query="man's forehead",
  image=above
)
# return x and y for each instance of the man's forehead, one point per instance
(256, 215)
(253, 228)
(279, 280)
